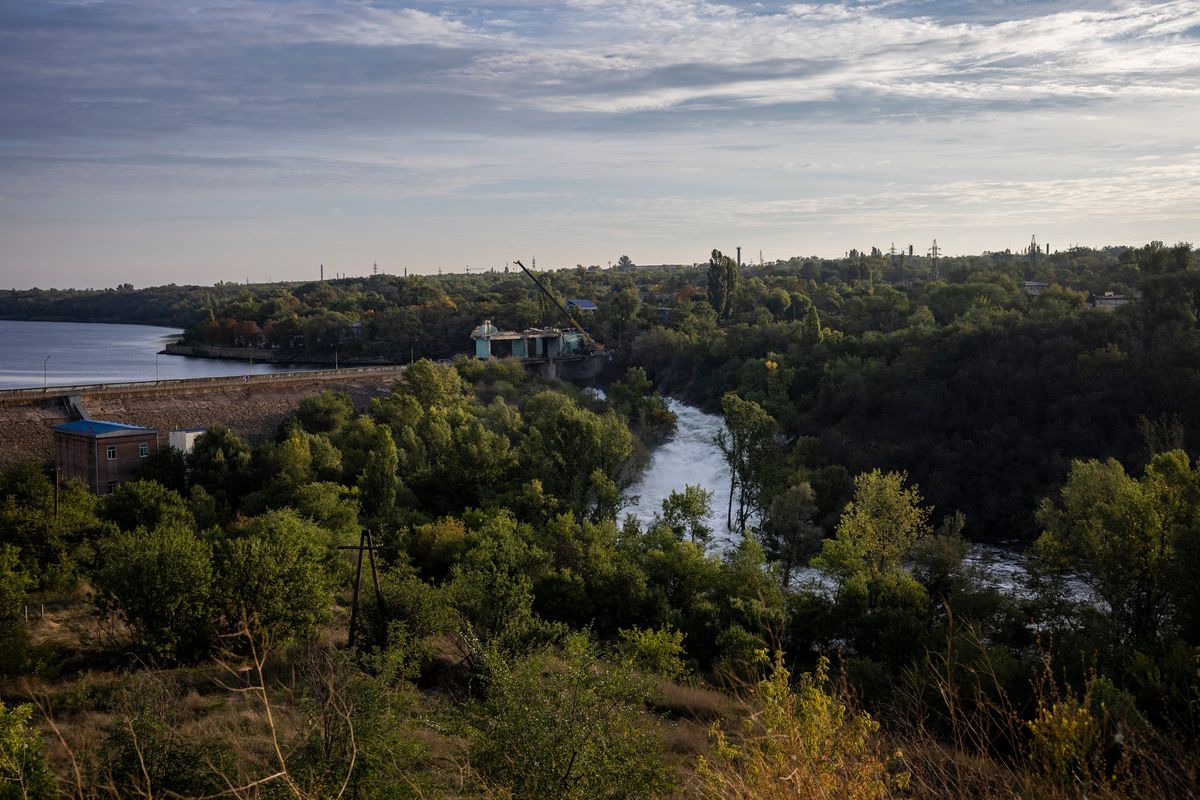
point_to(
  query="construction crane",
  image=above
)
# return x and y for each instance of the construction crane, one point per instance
(587, 337)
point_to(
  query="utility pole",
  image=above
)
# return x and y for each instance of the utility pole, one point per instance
(366, 543)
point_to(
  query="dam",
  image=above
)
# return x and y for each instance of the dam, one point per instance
(250, 405)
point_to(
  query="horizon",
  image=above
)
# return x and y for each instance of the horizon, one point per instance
(513, 269)
(145, 143)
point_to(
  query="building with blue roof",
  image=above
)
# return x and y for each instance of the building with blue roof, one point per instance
(102, 454)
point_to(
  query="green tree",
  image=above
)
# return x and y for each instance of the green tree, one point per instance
(686, 513)
(433, 384)
(778, 302)
(1124, 536)
(326, 412)
(377, 484)
(159, 583)
(723, 277)
(166, 466)
(221, 462)
(878, 527)
(14, 584)
(810, 329)
(789, 533)
(24, 774)
(145, 504)
(750, 443)
(568, 728)
(277, 574)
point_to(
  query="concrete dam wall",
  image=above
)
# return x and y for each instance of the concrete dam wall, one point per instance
(251, 405)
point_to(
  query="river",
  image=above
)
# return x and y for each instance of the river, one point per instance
(33, 354)
(690, 457)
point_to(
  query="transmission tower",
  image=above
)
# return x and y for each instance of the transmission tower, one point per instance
(1033, 252)
(374, 267)
(934, 252)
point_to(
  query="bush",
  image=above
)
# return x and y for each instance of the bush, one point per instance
(159, 584)
(277, 576)
(569, 728)
(23, 771)
(799, 743)
(655, 651)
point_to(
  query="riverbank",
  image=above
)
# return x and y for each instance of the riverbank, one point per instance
(266, 355)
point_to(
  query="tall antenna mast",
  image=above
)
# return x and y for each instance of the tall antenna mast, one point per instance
(1033, 252)
(934, 252)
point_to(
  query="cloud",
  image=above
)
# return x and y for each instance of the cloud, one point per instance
(665, 120)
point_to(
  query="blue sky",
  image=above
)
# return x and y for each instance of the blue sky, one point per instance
(157, 141)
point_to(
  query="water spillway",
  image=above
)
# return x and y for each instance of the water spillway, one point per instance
(689, 456)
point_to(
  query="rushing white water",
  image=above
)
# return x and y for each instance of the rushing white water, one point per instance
(690, 457)
(687, 457)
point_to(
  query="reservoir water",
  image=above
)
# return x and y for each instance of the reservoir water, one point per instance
(69, 353)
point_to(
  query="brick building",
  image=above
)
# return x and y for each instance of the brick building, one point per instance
(102, 454)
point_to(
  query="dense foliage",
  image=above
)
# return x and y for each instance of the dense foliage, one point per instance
(518, 635)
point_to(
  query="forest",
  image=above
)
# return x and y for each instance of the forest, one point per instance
(214, 629)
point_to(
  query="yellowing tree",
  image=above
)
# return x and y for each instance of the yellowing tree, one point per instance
(878, 527)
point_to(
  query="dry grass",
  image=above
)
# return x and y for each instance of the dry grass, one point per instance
(694, 701)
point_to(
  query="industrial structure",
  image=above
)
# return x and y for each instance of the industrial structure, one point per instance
(102, 454)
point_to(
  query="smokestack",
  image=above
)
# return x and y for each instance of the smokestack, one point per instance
(322, 272)
(739, 257)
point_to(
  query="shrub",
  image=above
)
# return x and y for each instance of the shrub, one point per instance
(569, 728)
(159, 584)
(23, 771)
(799, 743)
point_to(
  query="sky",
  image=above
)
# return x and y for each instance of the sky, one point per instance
(188, 141)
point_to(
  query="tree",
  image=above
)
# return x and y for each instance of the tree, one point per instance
(14, 584)
(810, 327)
(378, 481)
(166, 466)
(433, 384)
(159, 584)
(789, 532)
(778, 302)
(723, 279)
(325, 412)
(276, 574)
(686, 513)
(568, 728)
(748, 442)
(221, 462)
(145, 504)
(625, 262)
(878, 528)
(1125, 536)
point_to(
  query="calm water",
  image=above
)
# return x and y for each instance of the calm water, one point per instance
(86, 352)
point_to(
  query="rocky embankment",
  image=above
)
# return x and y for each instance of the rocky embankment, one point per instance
(248, 406)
